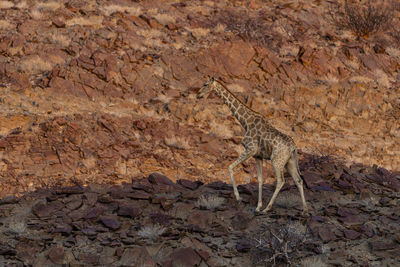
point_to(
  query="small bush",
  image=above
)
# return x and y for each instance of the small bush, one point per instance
(278, 244)
(210, 202)
(248, 27)
(151, 232)
(287, 200)
(362, 20)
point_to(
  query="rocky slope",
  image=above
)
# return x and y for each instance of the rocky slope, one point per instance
(156, 222)
(104, 91)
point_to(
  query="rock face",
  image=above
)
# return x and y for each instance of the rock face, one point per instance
(110, 227)
(104, 92)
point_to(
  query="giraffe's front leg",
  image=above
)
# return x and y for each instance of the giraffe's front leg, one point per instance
(244, 156)
(235, 190)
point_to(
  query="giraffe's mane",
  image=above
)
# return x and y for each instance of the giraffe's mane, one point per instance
(240, 101)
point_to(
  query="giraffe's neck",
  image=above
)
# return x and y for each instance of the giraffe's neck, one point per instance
(241, 112)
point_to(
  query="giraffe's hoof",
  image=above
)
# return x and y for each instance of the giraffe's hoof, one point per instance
(265, 211)
(239, 199)
(305, 213)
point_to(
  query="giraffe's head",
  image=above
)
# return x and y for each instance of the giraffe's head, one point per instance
(207, 88)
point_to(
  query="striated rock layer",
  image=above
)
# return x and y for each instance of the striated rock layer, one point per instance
(104, 91)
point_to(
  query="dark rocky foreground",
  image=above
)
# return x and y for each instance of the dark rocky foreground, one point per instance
(154, 222)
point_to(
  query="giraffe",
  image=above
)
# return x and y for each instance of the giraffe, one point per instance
(261, 141)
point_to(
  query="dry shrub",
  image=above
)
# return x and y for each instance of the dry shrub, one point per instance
(177, 142)
(253, 28)
(362, 19)
(210, 202)
(34, 64)
(59, 38)
(287, 200)
(279, 244)
(152, 232)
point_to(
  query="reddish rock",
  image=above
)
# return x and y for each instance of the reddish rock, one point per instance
(189, 184)
(185, 257)
(159, 179)
(136, 256)
(19, 81)
(129, 211)
(56, 255)
(203, 219)
(351, 234)
(243, 245)
(110, 222)
(326, 234)
(42, 209)
(63, 228)
(382, 245)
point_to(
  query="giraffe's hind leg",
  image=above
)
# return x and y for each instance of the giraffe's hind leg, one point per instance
(292, 169)
(244, 156)
(278, 160)
(260, 183)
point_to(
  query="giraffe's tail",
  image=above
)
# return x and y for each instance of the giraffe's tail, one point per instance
(294, 153)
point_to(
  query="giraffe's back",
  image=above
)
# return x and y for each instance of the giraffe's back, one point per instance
(269, 138)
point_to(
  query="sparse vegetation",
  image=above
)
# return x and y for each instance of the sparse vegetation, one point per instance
(274, 245)
(151, 232)
(362, 19)
(313, 262)
(177, 142)
(210, 202)
(86, 21)
(287, 200)
(250, 28)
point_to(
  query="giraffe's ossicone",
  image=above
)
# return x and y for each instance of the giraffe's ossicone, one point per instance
(261, 141)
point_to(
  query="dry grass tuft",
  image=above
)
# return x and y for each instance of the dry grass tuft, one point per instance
(95, 21)
(221, 130)
(108, 10)
(48, 6)
(164, 19)
(287, 200)
(152, 232)
(36, 14)
(313, 262)
(5, 25)
(22, 5)
(6, 4)
(34, 65)
(177, 142)
(210, 202)
(59, 38)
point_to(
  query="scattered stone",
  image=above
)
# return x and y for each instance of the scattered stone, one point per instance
(110, 222)
(351, 234)
(189, 184)
(382, 245)
(129, 211)
(185, 257)
(159, 179)
(243, 245)
(56, 255)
